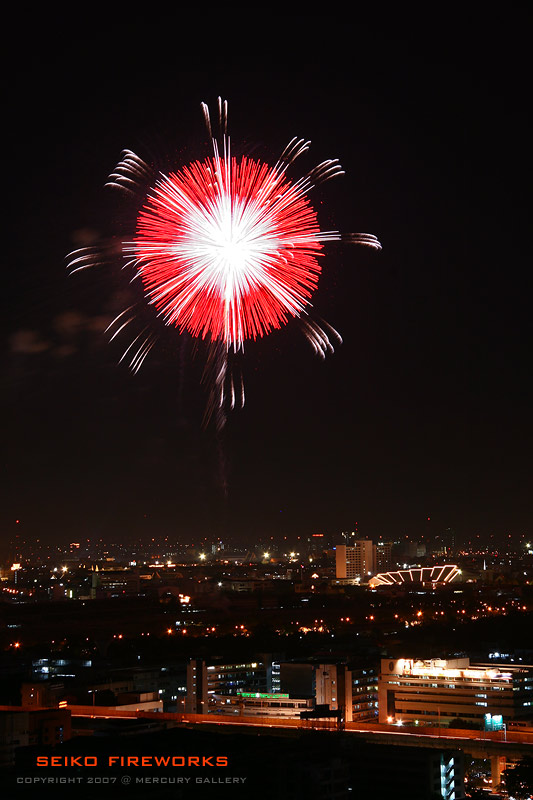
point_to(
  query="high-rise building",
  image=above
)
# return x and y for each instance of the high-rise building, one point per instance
(204, 681)
(196, 698)
(354, 561)
(383, 557)
(364, 680)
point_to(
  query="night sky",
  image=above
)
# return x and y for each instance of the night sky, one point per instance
(425, 409)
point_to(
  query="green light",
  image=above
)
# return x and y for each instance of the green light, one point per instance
(263, 696)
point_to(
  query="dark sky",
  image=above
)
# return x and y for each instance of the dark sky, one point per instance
(425, 409)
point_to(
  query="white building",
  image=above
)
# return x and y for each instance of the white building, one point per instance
(439, 691)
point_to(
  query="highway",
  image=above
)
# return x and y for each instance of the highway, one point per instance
(507, 739)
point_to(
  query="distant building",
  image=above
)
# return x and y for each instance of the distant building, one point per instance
(383, 556)
(315, 545)
(354, 561)
(114, 583)
(411, 550)
(440, 691)
(242, 584)
(43, 668)
(449, 541)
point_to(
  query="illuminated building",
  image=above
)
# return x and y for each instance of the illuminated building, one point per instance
(114, 583)
(354, 561)
(431, 575)
(15, 569)
(364, 693)
(196, 697)
(274, 676)
(43, 668)
(439, 691)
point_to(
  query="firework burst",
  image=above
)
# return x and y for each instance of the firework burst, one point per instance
(226, 249)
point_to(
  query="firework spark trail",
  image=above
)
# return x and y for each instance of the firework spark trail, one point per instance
(84, 258)
(226, 249)
(131, 174)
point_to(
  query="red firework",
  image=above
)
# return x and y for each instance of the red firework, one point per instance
(227, 249)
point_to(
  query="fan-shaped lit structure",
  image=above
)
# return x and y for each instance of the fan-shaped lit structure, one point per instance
(439, 574)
